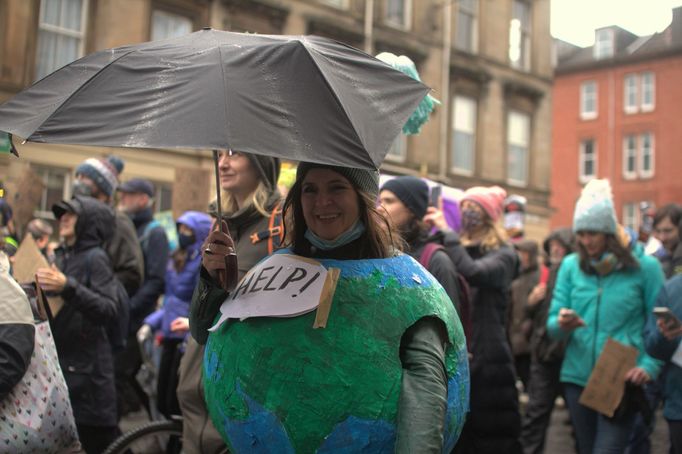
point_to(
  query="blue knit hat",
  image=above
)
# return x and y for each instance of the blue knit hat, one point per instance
(103, 172)
(594, 210)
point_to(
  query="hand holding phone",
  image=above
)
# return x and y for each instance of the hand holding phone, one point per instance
(669, 325)
(569, 320)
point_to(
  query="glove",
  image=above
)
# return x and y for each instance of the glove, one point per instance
(144, 333)
(219, 258)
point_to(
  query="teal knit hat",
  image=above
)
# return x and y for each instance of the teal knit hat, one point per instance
(594, 210)
(366, 180)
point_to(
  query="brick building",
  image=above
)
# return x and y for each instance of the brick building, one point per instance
(616, 115)
(488, 62)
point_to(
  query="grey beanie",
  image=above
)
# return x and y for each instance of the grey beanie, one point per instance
(268, 168)
(363, 179)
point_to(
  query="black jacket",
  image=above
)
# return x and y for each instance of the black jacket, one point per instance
(156, 251)
(125, 253)
(494, 423)
(79, 327)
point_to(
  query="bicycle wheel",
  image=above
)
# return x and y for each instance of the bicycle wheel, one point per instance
(150, 438)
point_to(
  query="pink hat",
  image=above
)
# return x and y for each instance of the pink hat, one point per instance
(490, 199)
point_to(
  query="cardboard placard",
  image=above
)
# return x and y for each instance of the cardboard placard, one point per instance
(190, 190)
(27, 260)
(326, 298)
(606, 385)
(282, 285)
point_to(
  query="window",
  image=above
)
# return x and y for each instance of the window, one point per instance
(61, 32)
(398, 151)
(603, 44)
(463, 135)
(648, 91)
(519, 36)
(630, 100)
(343, 4)
(57, 187)
(167, 25)
(630, 216)
(630, 157)
(588, 100)
(518, 144)
(646, 164)
(398, 13)
(588, 160)
(163, 199)
(466, 33)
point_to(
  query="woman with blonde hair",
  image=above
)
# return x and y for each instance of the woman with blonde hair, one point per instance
(489, 265)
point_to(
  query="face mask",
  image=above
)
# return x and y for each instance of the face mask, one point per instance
(351, 234)
(82, 189)
(471, 219)
(185, 240)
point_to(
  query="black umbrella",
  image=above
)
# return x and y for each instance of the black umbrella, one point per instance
(303, 98)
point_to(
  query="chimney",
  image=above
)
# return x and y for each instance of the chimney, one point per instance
(676, 25)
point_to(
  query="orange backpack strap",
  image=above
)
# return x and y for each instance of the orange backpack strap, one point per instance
(274, 232)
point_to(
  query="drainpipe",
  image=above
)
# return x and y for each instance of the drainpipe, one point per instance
(369, 29)
(445, 90)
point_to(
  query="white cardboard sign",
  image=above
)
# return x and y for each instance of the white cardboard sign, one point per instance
(282, 285)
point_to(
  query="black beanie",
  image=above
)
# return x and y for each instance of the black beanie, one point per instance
(268, 169)
(412, 191)
(366, 180)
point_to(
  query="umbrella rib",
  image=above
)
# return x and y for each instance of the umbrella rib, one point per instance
(222, 71)
(331, 89)
(80, 88)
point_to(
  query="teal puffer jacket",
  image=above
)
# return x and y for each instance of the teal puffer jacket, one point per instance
(616, 305)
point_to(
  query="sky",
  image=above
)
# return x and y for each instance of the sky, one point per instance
(575, 20)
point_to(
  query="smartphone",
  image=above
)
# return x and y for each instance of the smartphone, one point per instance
(434, 198)
(668, 317)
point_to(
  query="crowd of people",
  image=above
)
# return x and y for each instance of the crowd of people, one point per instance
(452, 328)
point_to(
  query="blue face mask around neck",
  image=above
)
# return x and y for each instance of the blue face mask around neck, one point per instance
(346, 237)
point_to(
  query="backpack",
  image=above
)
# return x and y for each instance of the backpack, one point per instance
(117, 329)
(463, 290)
(274, 232)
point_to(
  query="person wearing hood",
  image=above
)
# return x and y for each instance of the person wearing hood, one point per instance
(519, 322)
(98, 178)
(605, 290)
(250, 202)
(405, 200)
(136, 200)
(546, 353)
(666, 224)
(182, 274)
(83, 278)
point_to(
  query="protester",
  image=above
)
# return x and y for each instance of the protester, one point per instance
(520, 324)
(6, 215)
(667, 231)
(98, 178)
(405, 200)
(41, 232)
(354, 371)
(489, 265)
(663, 340)
(136, 200)
(84, 280)
(250, 199)
(182, 275)
(604, 291)
(546, 353)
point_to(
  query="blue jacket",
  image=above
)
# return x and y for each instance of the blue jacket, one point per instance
(661, 348)
(616, 305)
(180, 284)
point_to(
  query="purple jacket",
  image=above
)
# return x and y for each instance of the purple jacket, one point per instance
(180, 284)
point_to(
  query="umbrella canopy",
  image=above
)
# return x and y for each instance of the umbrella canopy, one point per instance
(303, 98)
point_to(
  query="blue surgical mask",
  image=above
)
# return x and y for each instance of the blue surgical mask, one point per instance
(346, 237)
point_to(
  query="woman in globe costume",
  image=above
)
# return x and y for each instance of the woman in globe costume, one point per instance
(388, 373)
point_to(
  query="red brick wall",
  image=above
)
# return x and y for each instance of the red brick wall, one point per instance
(608, 130)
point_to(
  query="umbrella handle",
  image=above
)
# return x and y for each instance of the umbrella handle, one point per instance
(219, 204)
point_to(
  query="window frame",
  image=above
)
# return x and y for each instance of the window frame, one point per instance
(628, 90)
(523, 63)
(340, 4)
(172, 13)
(582, 176)
(648, 107)
(57, 31)
(44, 171)
(400, 143)
(598, 53)
(453, 130)
(406, 23)
(472, 15)
(630, 174)
(584, 114)
(634, 224)
(511, 180)
(646, 173)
